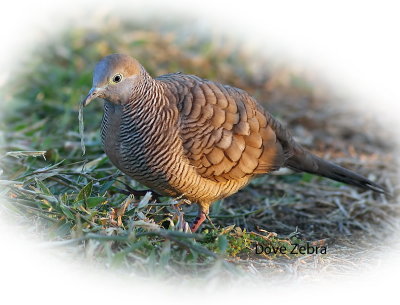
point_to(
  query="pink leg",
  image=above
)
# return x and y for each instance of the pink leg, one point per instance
(198, 221)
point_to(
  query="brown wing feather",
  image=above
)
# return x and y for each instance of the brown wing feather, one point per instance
(226, 135)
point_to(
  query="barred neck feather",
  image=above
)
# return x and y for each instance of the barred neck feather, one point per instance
(148, 93)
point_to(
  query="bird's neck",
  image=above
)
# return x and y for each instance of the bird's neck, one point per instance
(148, 94)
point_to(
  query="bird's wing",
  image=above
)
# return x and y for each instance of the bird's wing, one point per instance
(225, 133)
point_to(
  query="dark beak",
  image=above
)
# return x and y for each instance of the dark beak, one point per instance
(93, 93)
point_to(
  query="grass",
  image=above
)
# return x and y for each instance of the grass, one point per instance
(74, 202)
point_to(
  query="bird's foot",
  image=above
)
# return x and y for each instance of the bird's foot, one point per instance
(198, 221)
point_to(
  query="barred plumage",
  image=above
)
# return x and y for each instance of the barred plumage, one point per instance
(182, 135)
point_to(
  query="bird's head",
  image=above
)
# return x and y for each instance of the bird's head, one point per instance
(114, 79)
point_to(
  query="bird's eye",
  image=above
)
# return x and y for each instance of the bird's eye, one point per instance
(117, 78)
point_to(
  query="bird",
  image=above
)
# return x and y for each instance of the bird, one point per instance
(182, 135)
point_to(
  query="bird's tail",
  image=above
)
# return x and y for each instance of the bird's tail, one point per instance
(305, 161)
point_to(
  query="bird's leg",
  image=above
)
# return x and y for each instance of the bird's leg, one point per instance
(203, 212)
(198, 221)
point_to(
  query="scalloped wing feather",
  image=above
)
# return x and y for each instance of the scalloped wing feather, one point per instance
(225, 133)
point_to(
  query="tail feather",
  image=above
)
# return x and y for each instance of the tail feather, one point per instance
(307, 162)
(297, 158)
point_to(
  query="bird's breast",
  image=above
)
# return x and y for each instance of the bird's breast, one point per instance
(141, 146)
(148, 148)
(110, 132)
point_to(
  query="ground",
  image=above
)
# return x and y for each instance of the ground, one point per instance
(73, 200)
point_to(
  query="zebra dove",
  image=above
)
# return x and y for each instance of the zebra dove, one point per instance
(180, 134)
